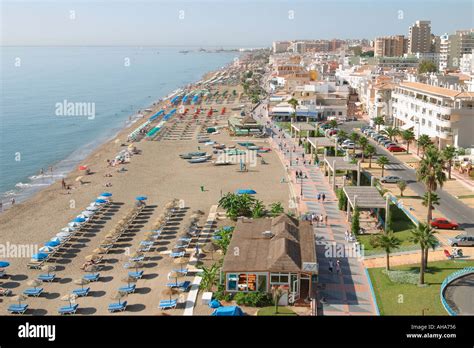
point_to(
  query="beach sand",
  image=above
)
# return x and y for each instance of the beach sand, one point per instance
(158, 173)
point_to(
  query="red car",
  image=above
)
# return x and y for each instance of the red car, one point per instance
(395, 148)
(444, 223)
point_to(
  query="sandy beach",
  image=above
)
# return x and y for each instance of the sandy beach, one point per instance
(158, 173)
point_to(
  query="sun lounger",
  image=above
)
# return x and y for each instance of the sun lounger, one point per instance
(178, 254)
(81, 292)
(146, 243)
(33, 292)
(47, 277)
(144, 248)
(167, 304)
(136, 259)
(128, 289)
(18, 308)
(187, 240)
(92, 277)
(136, 275)
(35, 264)
(182, 272)
(5, 292)
(117, 307)
(184, 285)
(68, 309)
(2, 273)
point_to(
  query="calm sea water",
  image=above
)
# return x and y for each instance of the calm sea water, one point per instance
(117, 81)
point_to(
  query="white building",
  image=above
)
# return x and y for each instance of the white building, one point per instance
(445, 115)
(467, 64)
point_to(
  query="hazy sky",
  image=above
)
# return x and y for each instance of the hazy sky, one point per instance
(242, 23)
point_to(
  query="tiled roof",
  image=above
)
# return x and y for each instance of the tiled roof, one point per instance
(441, 91)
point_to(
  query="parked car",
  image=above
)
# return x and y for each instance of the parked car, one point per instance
(348, 145)
(383, 140)
(389, 144)
(395, 148)
(444, 224)
(346, 141)
(390, 179)
(357, 155)
(461, 240)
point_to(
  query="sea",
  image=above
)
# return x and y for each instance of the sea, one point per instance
(57, 104)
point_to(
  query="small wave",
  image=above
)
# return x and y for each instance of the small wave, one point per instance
(22, 185)
(45, 176)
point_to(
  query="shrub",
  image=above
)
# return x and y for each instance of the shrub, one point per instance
(253, 299)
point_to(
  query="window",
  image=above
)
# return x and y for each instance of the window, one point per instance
(279, 278)
(262, 282)
(242, 285)
(232, 282)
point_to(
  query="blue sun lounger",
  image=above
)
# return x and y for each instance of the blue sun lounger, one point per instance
(182, 272)
(47, 277)
(144, 248)
(128, 289)
(184, 285)
(167, 304)
(117, 307)
(136, 275)
(92, 277)
(68, 309)
(136, 259)
(33, 292)
(81, 292)
(178, 254)
(146, 242)
(18, 308)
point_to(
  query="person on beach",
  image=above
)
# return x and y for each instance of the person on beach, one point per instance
(63, 183)
(13, 201)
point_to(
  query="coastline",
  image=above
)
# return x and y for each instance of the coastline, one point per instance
(23, 191)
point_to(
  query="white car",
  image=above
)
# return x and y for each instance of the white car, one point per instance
(390, 179)
(348, 145)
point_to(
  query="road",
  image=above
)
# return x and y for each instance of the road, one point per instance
(450, 206)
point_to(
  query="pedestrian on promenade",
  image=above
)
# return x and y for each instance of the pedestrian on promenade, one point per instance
(346, 235)
(319, 197)
(317, 220)
(323, 197)
(326, 220)
(338, 266)
(331, 266)
(321, 218)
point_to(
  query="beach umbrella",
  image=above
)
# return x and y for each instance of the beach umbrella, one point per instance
(79, 219)
(4, 264)
(83, 167)
(81, 282)
(102, 197)
(45, 249)
(141, 198)
(180, 261)
(118, 296)
(53, 243)
(135, 265)
(211, 248)
(92, 257)
(67, 229)
(92, 208)
(35, 283)
(70, 298)
(19, 298)
(169, 292)
(106, 194)
(55, 239)
(48, 269)
(86, 213)
(39, 256)
(63, 234)
(73, 224)
(100, 201)
(136, 254)
(175, 275)
(129, 280)
(92, 268)
(99, 251)
(246, 192)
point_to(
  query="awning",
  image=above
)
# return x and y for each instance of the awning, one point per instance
(407, 126)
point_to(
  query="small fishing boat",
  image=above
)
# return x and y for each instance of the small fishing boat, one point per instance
(221, 163)
(219, 146)
(253, 147)
(264, 149)
(198, 159)
(192, 154)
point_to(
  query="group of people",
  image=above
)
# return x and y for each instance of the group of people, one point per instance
(321, 196)
(337, 264)
(349, 236)
(318, 219)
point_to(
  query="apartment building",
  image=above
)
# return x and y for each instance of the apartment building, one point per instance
(453, 47)
(419, 37)
(390, 46)
(445, 115)
(280, 46)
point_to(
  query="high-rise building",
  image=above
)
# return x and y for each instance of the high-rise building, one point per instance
(460, 43)
(390, 46)
(280, 46)
(419, 37)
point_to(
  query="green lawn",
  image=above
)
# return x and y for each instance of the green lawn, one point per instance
(408, 299)
(465, 196)
(401, 226)
(270, 311)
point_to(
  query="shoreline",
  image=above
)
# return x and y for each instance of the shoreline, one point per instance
(24, 191)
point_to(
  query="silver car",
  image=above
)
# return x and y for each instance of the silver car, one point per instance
(390, 179)
(461, 240)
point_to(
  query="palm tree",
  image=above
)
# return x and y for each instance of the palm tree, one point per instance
(402, 185)
(382, 161)
(423, 142)
(276, 209)
(379, 121)
(387, 242)
(333, 124)
(237, 205)
(258, 210)
(363, 142)
(294, 103)
(355, 138)
(390, 132)
(430, 172)
(209, 277)
(408, 136)
(370, 151)
(342, 134)
(423, 235)
(449, 153)
(434, 198)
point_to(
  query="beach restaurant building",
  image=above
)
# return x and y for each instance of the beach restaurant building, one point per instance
(269, 252)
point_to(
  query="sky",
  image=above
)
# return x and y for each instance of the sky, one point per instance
(234, 23)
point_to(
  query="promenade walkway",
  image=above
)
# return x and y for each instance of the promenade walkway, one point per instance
(349, 292)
